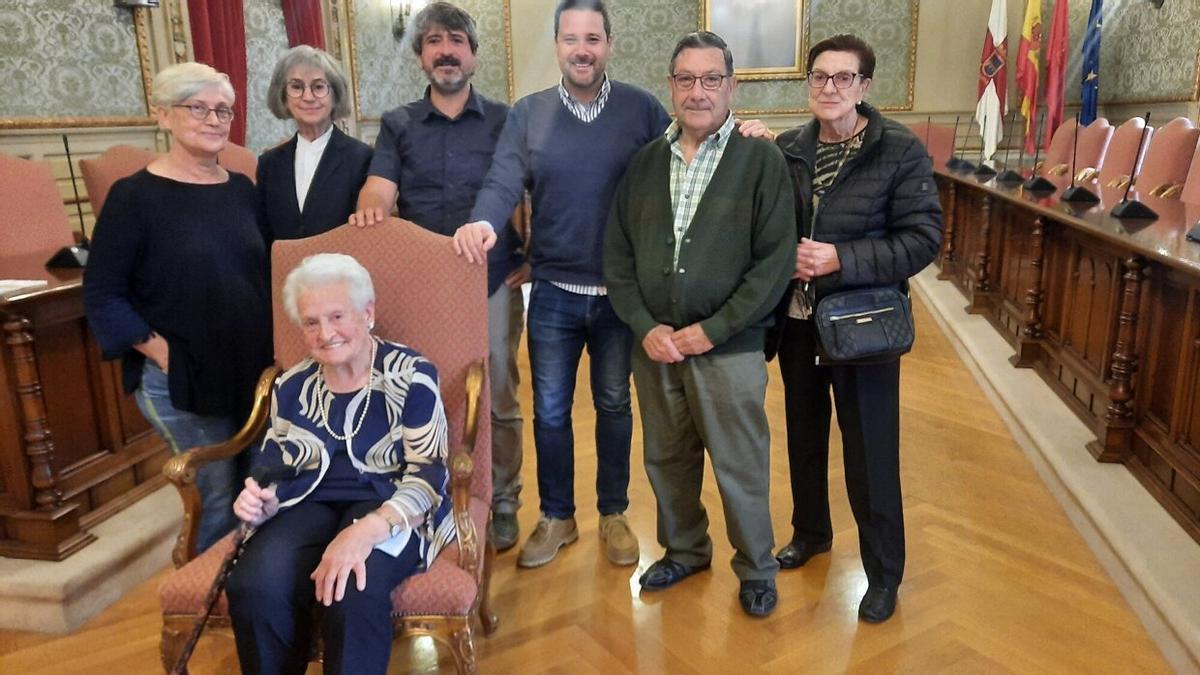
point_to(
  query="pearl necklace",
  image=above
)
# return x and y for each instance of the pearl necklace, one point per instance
(362, 416)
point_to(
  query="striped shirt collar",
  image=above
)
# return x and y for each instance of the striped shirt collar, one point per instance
(586, 112)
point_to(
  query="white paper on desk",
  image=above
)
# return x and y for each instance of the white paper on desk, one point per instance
(11, 285)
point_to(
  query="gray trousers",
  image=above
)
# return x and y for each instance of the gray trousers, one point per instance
(506, 318)
(714, 402)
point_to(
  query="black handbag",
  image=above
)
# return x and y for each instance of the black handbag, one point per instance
(864, 325)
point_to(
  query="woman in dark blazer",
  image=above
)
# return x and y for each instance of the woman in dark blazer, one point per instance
(309, 184)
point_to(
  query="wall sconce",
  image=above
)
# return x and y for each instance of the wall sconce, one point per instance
(402, 11)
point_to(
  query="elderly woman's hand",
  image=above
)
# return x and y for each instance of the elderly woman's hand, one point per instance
(256, 505)
(815, 259)
(345, 554)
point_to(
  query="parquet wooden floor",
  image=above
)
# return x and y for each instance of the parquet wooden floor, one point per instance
(997, 579)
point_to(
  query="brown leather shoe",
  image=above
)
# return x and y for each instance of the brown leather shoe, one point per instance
(550, 535)
(621, 546)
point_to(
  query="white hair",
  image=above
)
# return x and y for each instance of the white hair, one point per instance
(175, 84)
(327, 269)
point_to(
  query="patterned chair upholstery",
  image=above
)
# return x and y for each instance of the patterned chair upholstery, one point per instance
(433, 301)
(1168, 156)
(236, 158)
(32, 216)
(117, 162)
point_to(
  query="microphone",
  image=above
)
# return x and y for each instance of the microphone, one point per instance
(961, 165)
(71, 256)
(1078, 193)
(1008, 177)
(984, 172)
(952, 163)
(1132, 208)
(1038, 184)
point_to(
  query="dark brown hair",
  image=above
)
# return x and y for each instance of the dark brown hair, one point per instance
(845, 43)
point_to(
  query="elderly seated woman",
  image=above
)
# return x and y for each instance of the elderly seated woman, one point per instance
(361, 421)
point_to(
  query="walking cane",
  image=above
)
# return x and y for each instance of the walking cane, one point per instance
(265, 478)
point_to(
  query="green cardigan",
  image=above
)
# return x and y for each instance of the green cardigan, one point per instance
(737, 256)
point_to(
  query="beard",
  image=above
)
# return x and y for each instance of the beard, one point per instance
(448, 83)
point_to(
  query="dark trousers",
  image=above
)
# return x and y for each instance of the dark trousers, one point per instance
(868, 410)
(272, 598)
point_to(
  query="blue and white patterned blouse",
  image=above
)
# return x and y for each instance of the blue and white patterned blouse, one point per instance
(401, 447)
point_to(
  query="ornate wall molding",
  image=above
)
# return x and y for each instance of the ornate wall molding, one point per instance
(13, 50)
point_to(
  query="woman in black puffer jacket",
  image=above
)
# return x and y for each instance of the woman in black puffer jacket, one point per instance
(866, 183)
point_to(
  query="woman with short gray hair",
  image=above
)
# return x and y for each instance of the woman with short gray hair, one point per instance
(176, 284)
(309, 184)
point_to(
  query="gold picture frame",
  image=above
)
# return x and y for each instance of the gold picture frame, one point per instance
(769, 37)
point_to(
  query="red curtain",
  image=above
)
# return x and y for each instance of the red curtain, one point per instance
(303, 20)
(219, 39)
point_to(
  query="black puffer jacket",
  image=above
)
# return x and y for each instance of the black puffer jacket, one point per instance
(882, 211)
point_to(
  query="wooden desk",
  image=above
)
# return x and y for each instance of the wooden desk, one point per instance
(74, 449)
(1106, 311)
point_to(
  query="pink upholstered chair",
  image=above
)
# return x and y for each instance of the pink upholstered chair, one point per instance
(32, 216)
(1168, 157)
(117, 162)
(1093, 149)
(938, 140)
(1191, 187)
(433, 301)
(236, 158)
(1056, 161)
(1124, 157)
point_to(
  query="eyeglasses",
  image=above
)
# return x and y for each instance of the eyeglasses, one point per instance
(817, 79)
(200, 111)
(319, 88)
(709, 82)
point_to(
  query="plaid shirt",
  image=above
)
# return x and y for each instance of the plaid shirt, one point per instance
(689, 181)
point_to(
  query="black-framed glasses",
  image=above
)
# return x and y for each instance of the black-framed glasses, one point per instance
(295, 88)
(842, 80)
(710, 82)
(200, 111)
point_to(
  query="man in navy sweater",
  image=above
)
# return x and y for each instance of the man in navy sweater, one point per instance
(569, 145)
(430, 160)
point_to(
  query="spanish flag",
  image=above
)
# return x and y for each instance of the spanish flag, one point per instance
(1028, 62)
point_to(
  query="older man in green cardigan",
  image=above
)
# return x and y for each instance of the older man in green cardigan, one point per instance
(699, 249)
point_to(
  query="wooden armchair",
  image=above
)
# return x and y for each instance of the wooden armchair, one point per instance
(427, 298)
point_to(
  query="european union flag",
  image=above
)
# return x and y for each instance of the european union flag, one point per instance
(1091, 64)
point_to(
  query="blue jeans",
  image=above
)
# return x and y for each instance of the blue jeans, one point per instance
(183, 431)
(561, 323)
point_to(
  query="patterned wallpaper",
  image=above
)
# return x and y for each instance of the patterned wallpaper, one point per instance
(387, 73)
(266, 40)
(647, 30)
(1145, 53)
(69, 58)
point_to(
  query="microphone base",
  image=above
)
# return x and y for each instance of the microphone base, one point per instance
(69, 257)
(984, 173)
(1009, 178)
(1132, 208)
(964, 166)
(1077, 194)
(1039, 184)
(1194, 233)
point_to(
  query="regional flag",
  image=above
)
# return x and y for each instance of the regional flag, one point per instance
(1091, 64)
(1028, 62)
(993, 79)
(1056, 71)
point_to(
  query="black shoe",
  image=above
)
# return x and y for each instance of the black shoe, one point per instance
(665, 573)
(504, 530)
(797, 553)
(878, 604)
(758, 596)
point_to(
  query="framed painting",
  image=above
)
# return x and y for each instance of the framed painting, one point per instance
(768, 38)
